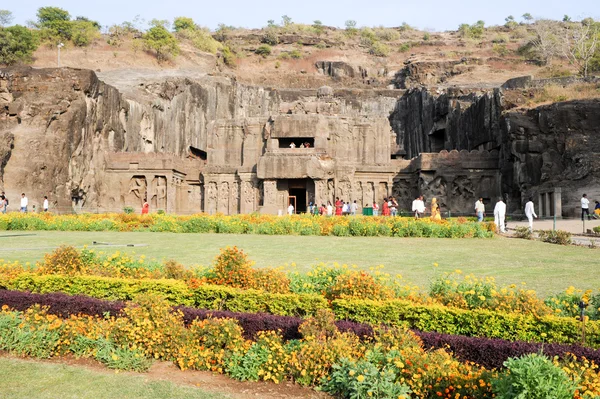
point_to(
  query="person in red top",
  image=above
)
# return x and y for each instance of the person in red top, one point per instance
(338, 206)
(385, 208)
(145, 208)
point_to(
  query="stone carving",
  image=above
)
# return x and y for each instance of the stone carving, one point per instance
(234, 206)
(368, 194)
(457, 143)
(159, 197)
(224, 198)
(137, 190)
(211, 197)
(270, 192)
(330, 192)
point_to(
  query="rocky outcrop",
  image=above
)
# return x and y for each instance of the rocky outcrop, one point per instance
(555, 145)
(451, 120)
(431, 73)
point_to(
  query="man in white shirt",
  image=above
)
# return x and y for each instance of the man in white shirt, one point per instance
(329, 209)
(418, 206)
(45, 205)
(353, 208)
(499, 214)
(24, 203)
(291, 209)
(530, 213)
(480, 209)
(585, 207)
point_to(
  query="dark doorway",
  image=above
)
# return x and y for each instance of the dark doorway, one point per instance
(300, 195)
(437, 140)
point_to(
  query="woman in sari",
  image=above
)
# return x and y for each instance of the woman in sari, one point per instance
(435, 210)
(385, 208)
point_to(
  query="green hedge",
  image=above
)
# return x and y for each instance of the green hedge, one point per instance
(176, 292)
(476, 323)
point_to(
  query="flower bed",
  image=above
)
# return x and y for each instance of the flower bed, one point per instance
(490, 353)
(251, 224)
(393, 363)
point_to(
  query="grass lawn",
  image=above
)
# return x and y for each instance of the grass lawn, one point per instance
(547, 268)
(27, 379)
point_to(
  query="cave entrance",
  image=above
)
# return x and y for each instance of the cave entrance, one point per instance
(437, 140)
(300, 191)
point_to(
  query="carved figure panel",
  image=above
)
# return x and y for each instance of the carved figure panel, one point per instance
(368, 194)
(404, 193)
(234, 205)
(270, 192)
(159, 193)
(383, 191)
(224, 198)
(138, 190)
(331, 192)
(211, 197)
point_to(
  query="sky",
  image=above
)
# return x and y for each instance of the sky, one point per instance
(434, 15)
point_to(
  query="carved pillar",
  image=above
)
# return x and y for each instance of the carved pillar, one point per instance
(558, 202)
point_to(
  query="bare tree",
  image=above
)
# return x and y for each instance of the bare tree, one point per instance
(6, 17)
(580, 44)
(546, 41)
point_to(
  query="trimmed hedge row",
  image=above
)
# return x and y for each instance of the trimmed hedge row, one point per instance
(476, 323)
(438, 318)
(490, 353)
(64, 305)
(176, 292)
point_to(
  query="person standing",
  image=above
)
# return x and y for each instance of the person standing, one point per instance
(45, 204)
(585, 207)
(290, 209)
(435, 210)
(375, 209)
(418, 206)
(338, 206)
(393, 206)
(145, 207)
(530, 213)
(385, 207)
(24, 203)
(480, 209)
(329, 209)
(3, 203)
(499, 214)
(353, 208)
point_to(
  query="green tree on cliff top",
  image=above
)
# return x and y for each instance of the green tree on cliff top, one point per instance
(162, 42)
(17, 44)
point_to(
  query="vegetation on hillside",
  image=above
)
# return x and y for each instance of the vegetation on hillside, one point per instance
(542, 41)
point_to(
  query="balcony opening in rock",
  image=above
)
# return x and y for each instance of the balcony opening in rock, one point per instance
(197, 153)
(437, 140)
(299, 142)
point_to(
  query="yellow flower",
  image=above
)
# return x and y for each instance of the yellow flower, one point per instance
(435, 264)
(481, 298)
(360, 378)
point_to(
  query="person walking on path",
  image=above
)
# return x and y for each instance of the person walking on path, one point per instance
(530, 213)
(480, 209)
(45, 204)
(24, 203)
(499, 214)
(375, 209)
(585, 207)
(385, 208)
